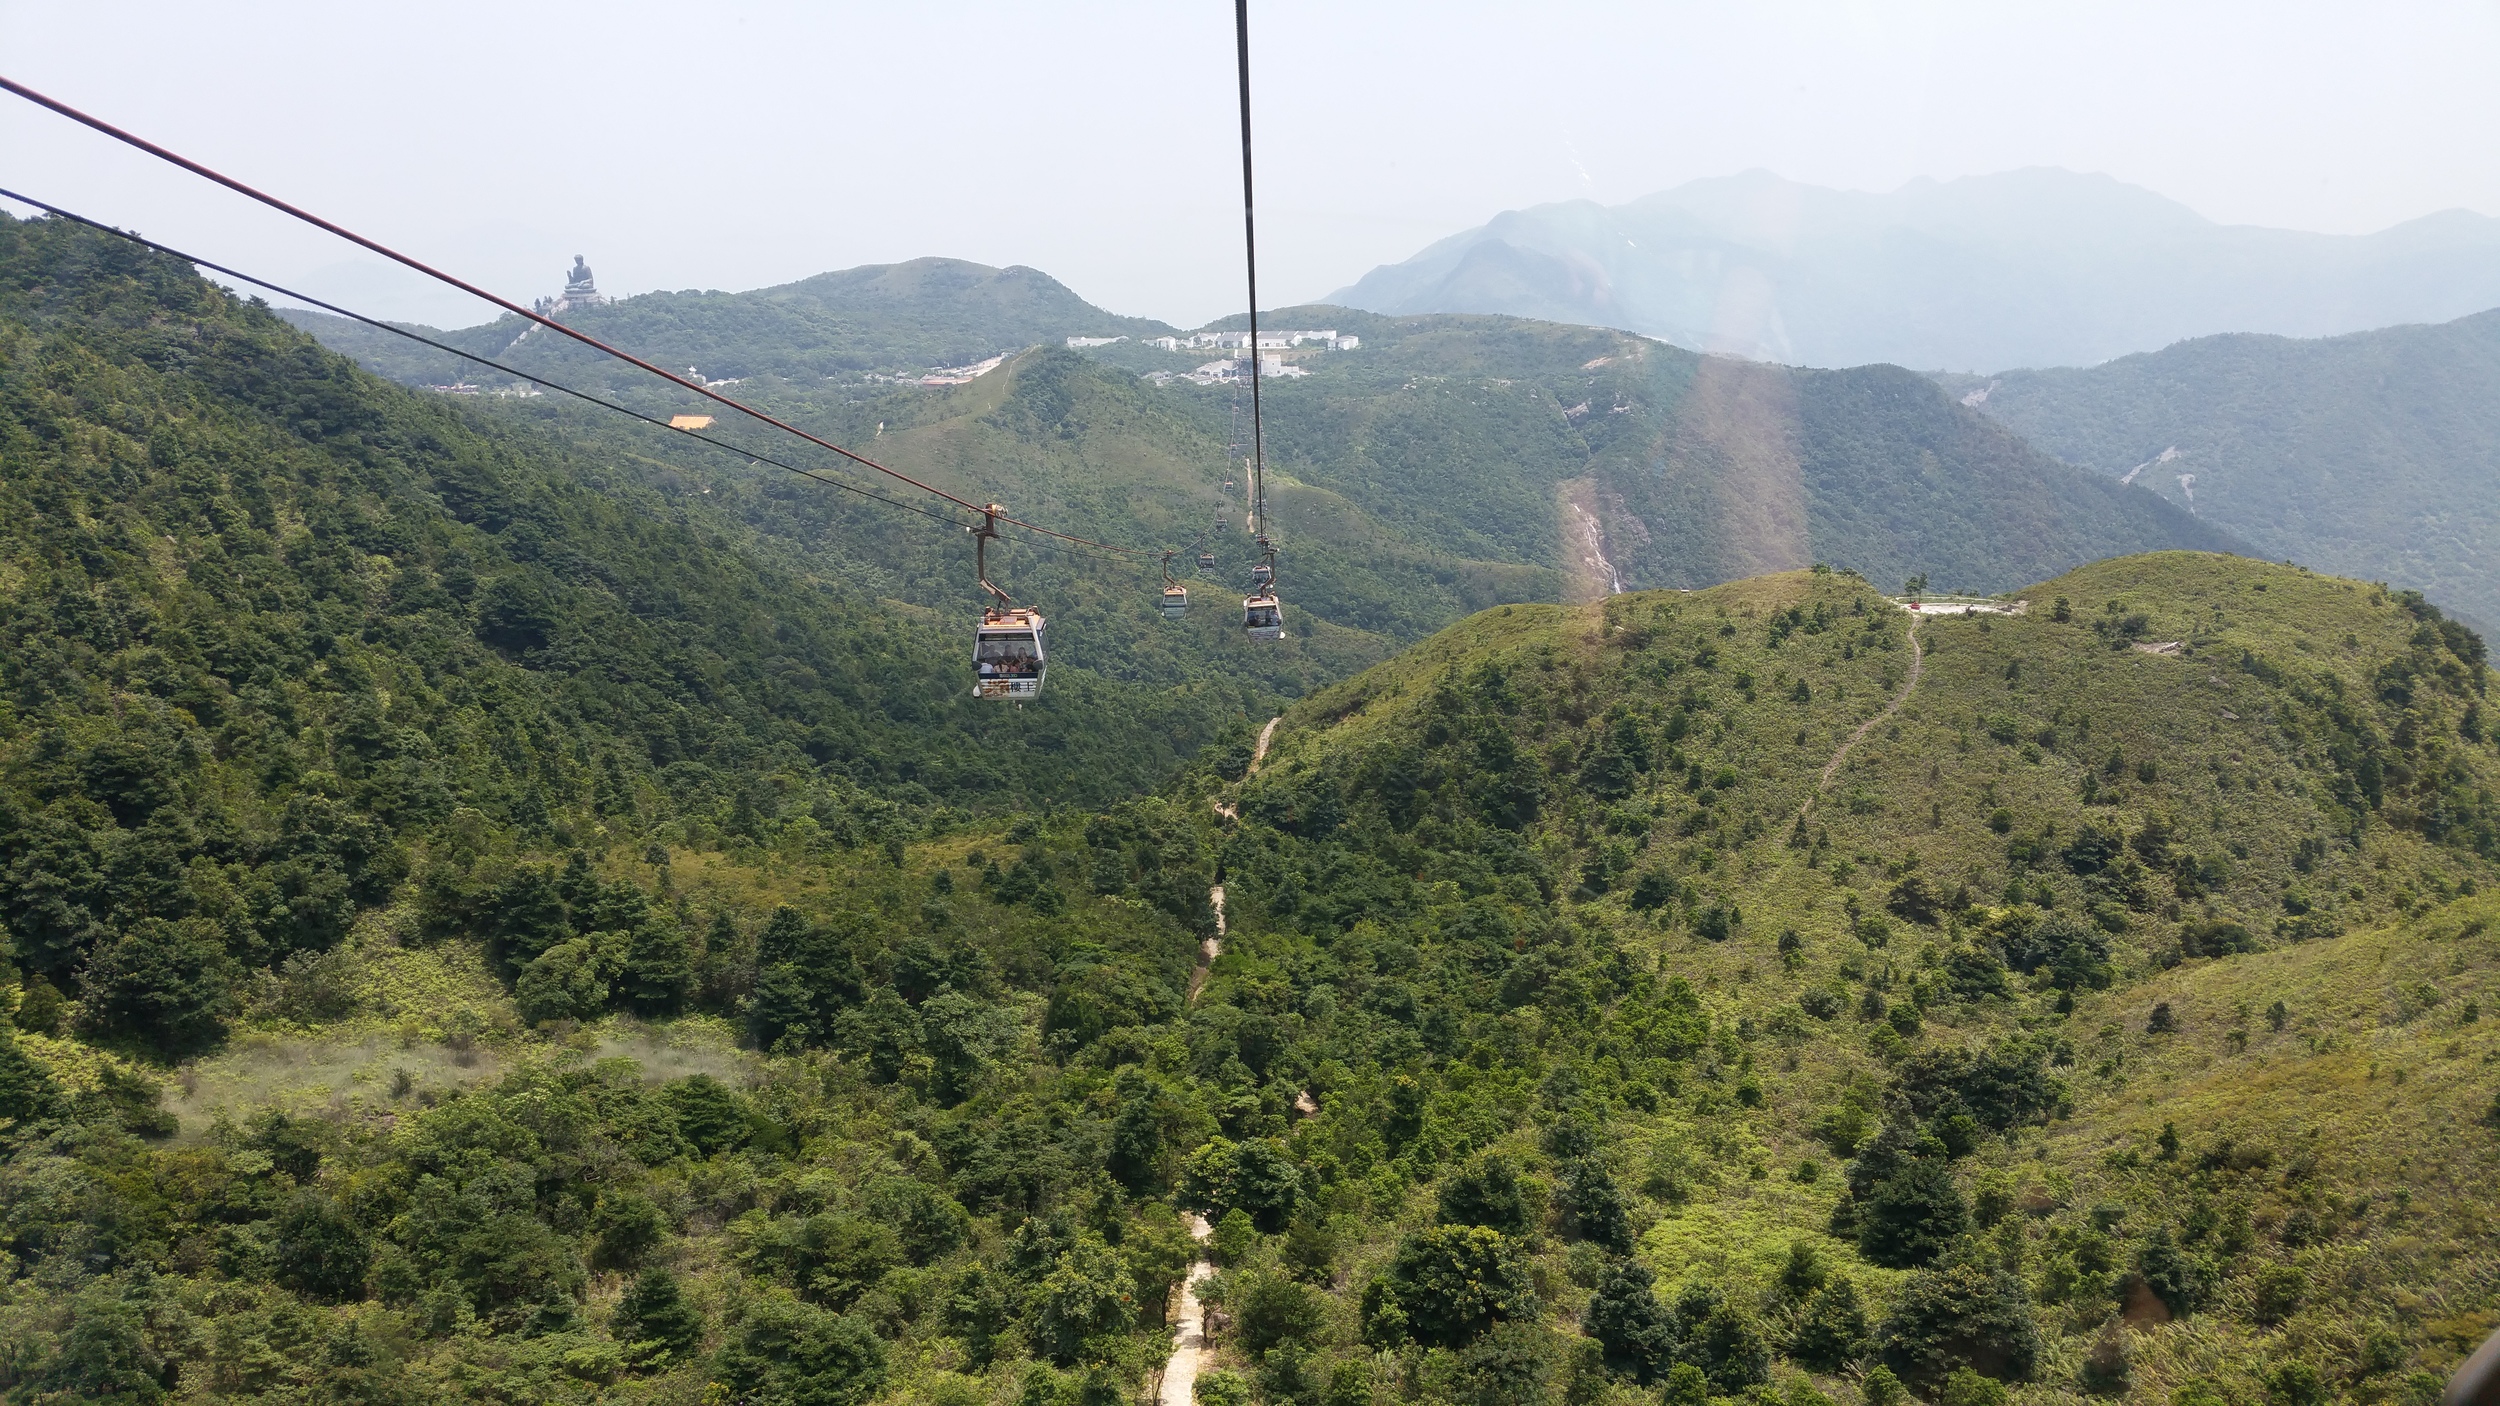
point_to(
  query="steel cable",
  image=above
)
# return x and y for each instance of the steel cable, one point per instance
(423, 340)
(132, 139)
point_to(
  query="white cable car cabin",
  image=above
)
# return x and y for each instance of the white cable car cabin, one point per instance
(1007, 656)
(1175, 602)
(1262, 618)
(1206, 563)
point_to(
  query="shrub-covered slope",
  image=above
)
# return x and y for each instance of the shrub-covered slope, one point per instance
(2112, 1016)
(2111, 1013)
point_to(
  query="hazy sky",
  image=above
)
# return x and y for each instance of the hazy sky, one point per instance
(738, 145)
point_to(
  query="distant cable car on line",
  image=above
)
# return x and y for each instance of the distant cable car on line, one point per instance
(1175, 595)
(1206, 564)
(1008, 658)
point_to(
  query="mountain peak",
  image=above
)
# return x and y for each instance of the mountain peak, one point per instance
(2035, 266)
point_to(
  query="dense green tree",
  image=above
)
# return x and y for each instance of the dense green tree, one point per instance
(654, 1322)
(630, 1227)
(106, 1354)
(565, 982)
(830, 1259)
(659, 967)
(788, 1353)
(1269, 1309)
(321, 1251)
(2168, 1273)
(1257, 1177)
(710, 1114)
(1140, 1132)
(1453, 1282)
(1593, 1207)
(1639, 1334)
(1960, 1316)
(1088, 1295)
(1721, 1338)
(1485, 1192)
(1912, 1215)
(166, 986)
(26, 1088)
(929, 1223)
(1831, 1330)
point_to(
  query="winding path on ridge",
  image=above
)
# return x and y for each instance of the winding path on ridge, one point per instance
(1179, 1383)
(1918, 665)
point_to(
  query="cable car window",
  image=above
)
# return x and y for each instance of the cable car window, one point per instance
(1007, 654)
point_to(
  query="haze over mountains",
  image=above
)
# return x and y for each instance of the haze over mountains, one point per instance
(2037, 267)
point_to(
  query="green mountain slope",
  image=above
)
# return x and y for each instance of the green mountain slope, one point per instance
(1448, 464)
(2371, 454)
(1989, 1030)
(1705, 469)
(271, 621)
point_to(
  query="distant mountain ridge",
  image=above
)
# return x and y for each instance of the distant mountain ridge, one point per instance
(2374, 454)
(919, 313)
(2038, 267)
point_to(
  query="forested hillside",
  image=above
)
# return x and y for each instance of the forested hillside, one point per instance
(475, 939)
(2373, 454)
(2108, 1019)
(272, 624)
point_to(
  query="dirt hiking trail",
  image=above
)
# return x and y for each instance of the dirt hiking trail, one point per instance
(1918, 665)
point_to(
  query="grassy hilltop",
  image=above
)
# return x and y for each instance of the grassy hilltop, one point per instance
(2122, 1007)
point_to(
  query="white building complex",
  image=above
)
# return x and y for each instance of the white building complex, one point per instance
(1276, 341)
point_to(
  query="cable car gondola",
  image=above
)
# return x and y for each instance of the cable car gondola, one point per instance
(1262, 615)
(1262, 618)
(1008, 657)
(1206, 564)
(1175, 595)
